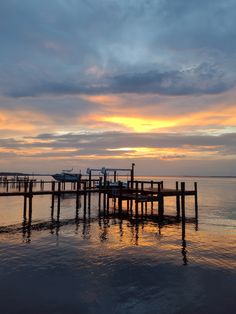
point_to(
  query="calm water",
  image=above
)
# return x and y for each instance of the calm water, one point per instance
(102, 265)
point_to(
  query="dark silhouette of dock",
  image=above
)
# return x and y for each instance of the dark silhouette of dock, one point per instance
(133, 195)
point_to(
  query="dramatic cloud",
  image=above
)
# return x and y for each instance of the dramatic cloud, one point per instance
(102, 80)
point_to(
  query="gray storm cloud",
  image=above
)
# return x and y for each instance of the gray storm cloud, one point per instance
(167, 47)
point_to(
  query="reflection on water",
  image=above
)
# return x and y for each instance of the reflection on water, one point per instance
(101, 262)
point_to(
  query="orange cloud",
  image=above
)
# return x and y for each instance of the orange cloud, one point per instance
(106, 100)
(22, 121)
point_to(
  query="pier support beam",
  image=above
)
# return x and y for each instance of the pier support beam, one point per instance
(196, 200)
(58, 200)
(177, 201)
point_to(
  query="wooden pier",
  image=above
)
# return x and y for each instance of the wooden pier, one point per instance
(133, 196)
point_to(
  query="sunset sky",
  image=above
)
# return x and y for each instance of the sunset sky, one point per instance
(91, 83)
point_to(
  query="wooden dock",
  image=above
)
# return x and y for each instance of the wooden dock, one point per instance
(133, 194)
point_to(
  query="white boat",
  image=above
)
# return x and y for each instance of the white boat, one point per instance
(66, 176)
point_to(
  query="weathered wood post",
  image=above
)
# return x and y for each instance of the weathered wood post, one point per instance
(108, 201)
(160, 201)
(183, 212)
(85, 196)
(77, 194)
(177, 200)
(99, 193)
(183, 200)
(53, 199)
(58, 200)
(136, 197)
(152, 197)
(120, 197)
(142, 195)
(196, 200)
(30, 199)
(132, 175)
(90, 186)
(25, 199)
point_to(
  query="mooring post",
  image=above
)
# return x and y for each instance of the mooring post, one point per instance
(177, 200)
(183, 200)
(77, 194)
(183, 209)
(85, 196)
(25, 199)
(142, 195)
(105, 180)
(160, 201)
(120, 197)
(151, 197)
(30, 199)
(162, 185)
(53, 198)
(99, 193)
(136, 198)
(132, 176)
(58, 200)
(196, 200)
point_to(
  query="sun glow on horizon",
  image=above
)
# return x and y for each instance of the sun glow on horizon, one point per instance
(140, 124)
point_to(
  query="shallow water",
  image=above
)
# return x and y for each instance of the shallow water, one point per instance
(111, 265)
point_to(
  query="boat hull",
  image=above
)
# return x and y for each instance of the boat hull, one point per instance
(66, 177)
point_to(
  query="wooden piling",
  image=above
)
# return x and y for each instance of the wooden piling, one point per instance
(196, 200)
(183, 199)
(85, 196)
(160, 201)
(53, 199)
(177, 200)
(77, 194)
(136, 197)
(30, 199)
(141, 194)
(58, 200)
(25, 199)
(120, 197)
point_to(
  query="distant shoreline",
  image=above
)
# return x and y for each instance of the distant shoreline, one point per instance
(7, 173)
